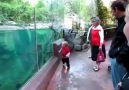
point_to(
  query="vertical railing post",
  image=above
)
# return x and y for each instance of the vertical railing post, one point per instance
(36, 48)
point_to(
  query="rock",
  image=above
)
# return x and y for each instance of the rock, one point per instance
(77, 40)
(78, 47)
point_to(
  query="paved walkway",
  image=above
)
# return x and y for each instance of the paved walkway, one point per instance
(81, 75)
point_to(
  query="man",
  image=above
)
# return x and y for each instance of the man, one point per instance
(124, 55)
(117, 69)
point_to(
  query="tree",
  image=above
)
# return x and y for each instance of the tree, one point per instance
(6, 1)
(45, 11)
(104, 13)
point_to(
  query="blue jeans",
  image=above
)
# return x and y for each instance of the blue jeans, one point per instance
(117, 72)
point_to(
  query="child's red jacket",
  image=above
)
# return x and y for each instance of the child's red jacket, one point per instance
(65, 51)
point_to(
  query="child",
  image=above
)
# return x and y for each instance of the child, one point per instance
(65, 51)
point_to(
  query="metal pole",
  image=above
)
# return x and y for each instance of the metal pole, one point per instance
(92, 8)
(36, 49)
(52, 13)
(79, 13)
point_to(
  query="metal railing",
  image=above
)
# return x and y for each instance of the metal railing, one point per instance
(108, 32)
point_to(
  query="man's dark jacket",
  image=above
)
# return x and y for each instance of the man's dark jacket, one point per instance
(123, 56)
(118, 39)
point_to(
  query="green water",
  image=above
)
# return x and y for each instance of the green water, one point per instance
(18, 56)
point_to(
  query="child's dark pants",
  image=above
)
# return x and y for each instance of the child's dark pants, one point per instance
(66, 60)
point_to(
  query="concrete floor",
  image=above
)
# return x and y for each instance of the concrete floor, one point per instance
(81, 75)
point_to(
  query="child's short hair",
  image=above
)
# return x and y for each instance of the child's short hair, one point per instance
(65, 43)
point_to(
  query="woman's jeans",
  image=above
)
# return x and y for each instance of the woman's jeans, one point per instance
(117, 72)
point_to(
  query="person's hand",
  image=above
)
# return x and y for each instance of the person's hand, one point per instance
(60, 50)
(68, 54)
(88, 42)
(100, 47)
(119, 85)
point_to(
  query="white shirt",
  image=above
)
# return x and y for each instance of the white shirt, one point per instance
(88, 33)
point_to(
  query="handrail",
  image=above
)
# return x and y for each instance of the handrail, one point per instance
(110, 28)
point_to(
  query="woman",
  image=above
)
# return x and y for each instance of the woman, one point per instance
(97, 41)
(89, 35)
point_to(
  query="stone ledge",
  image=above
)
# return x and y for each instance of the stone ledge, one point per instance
(42, 78)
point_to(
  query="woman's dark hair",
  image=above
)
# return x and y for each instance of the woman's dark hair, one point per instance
(120, 5)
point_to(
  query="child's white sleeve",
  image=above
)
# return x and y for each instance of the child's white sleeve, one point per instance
(60, 50)
(68, 54)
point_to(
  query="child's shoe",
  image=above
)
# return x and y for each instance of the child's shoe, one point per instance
(63, 65)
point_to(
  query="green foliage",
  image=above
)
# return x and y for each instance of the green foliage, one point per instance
(75, 6)
(18, 11)
(6, 0)
(104, 13)
(56, 10)
(85, 12)
(79, 7)
(13, 13)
